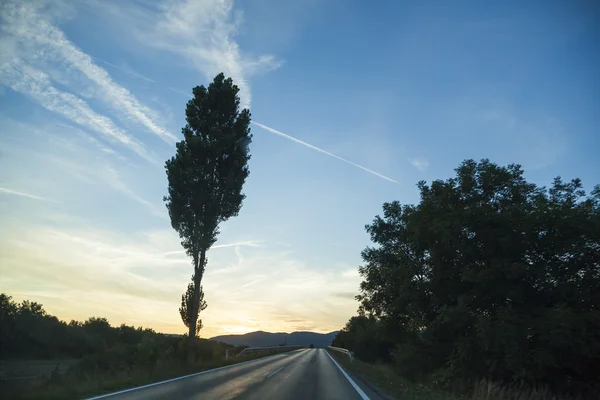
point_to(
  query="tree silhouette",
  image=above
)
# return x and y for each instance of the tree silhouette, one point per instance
(207, 173)
(187, 306)
(489, 276)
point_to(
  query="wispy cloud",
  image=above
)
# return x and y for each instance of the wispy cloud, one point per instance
(254, 282)
(126, 70)
(112, 178)
(64, 158)
(138, 75)
(289, 137)
(23, 194)
(250, 243)
(419, 163)
(106, 268)
(36, 85)
(204, 33)
(33, 38)
(310, 146)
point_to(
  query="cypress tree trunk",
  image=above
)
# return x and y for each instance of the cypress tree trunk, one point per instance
(199, 271)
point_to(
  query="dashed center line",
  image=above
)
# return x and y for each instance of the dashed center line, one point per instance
(274, 372)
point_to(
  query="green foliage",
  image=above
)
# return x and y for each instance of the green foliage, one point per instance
(388, 384)
(187, 306)
(28, 332)
(98, 352)
(208, 171)
(364, 336)
(490, 277)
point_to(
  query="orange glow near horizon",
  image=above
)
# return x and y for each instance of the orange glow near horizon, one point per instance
(139, 280)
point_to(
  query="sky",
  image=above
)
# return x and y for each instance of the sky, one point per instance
(352, 104)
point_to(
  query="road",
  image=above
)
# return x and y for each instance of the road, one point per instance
(296, 375)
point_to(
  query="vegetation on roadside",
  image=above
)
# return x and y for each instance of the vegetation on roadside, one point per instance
(97, 357)
(488, 279)
(205, 177)
(382, 378)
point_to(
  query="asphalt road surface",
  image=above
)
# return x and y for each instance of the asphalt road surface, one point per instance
(300, 374)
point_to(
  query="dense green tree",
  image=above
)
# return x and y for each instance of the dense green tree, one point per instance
(208, 171)
(8, 312)
(490, 276)
(187, 306)
(365, 337)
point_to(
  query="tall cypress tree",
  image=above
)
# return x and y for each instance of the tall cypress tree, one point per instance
(207, 173)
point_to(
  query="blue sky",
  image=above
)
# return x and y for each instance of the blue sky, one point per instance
(353, 103)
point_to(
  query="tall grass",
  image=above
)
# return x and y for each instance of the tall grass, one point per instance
(487, 390)
(386, 379)
(79, 384)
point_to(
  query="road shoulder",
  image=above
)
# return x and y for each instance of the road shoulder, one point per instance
(370, 389)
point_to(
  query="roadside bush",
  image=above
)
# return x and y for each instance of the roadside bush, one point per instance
(105, 353)
(363, 336)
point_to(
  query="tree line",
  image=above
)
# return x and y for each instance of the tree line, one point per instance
(28, 332)
(487, 277)
(91, 356)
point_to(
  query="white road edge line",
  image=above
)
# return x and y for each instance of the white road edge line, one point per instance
(103, 396)
(274, 372)
(354, 385)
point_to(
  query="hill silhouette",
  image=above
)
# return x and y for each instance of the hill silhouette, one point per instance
(260, 338)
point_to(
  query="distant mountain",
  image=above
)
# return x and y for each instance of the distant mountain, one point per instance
(260, 338)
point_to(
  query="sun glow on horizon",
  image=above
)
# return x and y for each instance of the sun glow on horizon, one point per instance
(236, 329)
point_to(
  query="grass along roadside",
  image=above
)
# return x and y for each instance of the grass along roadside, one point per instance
(67, 386)
(388, 382)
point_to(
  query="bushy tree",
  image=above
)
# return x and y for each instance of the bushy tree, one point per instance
(363, 335)
(8, 312)
(493, 276)
(187, 307)
(207, 173)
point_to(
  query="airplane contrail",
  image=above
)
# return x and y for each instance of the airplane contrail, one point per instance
(249, 284)
(249, 243)
(263, 126)
(310, 146)
(23, 194)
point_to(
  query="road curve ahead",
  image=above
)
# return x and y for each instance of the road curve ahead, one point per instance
(300, 374)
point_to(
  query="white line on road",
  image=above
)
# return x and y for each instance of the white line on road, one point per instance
(274, 372)
(354, 385)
